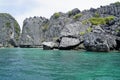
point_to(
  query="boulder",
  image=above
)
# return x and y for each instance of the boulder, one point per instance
(9, 31)
(73, 12)
(71, 36)
(69, 43)
(49, 45)
(73, 29)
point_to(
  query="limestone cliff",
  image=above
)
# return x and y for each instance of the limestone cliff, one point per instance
(93, 29)
(9, 31)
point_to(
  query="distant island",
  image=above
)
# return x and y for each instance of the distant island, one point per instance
(91, 30)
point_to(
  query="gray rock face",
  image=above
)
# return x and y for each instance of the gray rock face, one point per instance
(33, 31)
(73, 12)
(9, 31)
(118, 43)
(113, 27)
(68, 29)
(99, 42)
(71, 35)
(56, 25)
(39, 29)
(98, 29)
(86, 15)
(68, 43)
(74, 29)
(113, 9)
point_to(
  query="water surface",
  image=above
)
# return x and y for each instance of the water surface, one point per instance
(37, 64)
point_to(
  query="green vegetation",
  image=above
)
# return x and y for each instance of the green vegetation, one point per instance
(117, 3)
(8, 24)
(100, 20)
(82, 33)
(69, 13)
(109, 18)
(45, 27)
(16, 26)
(5, 15)
(96, 14)
(97, 21)
(77, 16)
(117, 30)
(89, 29)
(84, 22)
(57, 15)
(17, 38)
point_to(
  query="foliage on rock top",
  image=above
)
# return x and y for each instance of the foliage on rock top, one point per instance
(100, 20)
(117, 3)
(5, 15)
(77, 16)
(69, 13)
(56, 15)
(8, 19)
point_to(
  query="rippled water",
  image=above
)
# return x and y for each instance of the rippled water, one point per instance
(36, 64)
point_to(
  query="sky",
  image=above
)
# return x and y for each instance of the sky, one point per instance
(21, 9)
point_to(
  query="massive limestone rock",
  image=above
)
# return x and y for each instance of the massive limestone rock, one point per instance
(104, 39)
(99, 42)
(9, 31)
(68, 43)
(74, 29)
(68, 29)
(33, 33)
(71, 35)
(39, 29)
(113, 27)
(56, 24)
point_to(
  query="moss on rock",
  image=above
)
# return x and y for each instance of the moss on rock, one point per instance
(100, 20)
(77, 16)
(56, 15)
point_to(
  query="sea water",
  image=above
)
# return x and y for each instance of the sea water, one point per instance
(38, 64)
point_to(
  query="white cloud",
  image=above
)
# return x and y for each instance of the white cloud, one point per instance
(47, 7)
(13, 2)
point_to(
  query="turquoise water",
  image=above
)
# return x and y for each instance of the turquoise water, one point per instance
(36, 64)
